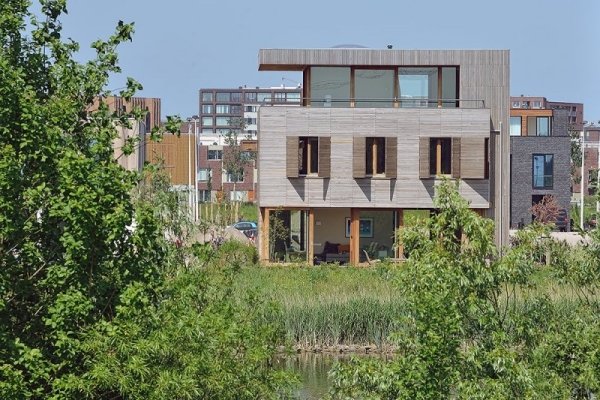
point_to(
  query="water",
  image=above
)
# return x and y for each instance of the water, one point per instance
(312, 369)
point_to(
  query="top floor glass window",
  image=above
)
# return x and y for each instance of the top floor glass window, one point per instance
(538, 126)
(251, 96)
(293, 97)
(515, 126)
(418, 87)
(263, 97)
(236, 96)
(207, 96)
(330, 86)
(374, 87)
(223, 96)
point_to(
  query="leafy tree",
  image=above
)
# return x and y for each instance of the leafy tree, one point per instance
(474, 327)
(95, 298)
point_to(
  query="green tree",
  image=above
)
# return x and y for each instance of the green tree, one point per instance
(90, 260)
(475, 327)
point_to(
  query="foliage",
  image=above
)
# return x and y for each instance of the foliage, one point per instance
(97, 295)
(475, 327)
(546, 211)
(196, 342)
(278, 234)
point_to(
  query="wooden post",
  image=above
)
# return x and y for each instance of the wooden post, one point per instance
(354, 236)
(310, 253)
(399, 224)
(263, 237)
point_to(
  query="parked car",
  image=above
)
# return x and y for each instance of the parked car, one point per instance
(245, 226)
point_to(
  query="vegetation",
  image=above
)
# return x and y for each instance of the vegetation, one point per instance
(328, 306)
(99, 297)
(475, 326)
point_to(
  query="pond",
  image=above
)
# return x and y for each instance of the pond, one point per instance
(312, 369)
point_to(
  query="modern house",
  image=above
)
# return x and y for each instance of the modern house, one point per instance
(376, 131)
(540, 153)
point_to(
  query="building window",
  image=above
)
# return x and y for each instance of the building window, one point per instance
(515, 126)
(215, 154)
(203, 196)
(234, 177)
(207, 109)
(428, 87)
(308, 155)
(516, 104)
(250, 108)
(279, 96)
(223, 96)
(222, 121)
(251, 96)
(237, 195)
(375, 156)
(330, 86)
(440, 156)
(236, 97)
(250, 121)
(263, 97)
(207, 130)
(543, 167)
(538, 126)
(207, 96)
(203, 174)
(373, 86)
(537, 104)
(222, 109)
(293, 97)
(207, 121)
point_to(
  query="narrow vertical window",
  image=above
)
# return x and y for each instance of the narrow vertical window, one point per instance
(375, 156)
(308, 155)
(440, 156)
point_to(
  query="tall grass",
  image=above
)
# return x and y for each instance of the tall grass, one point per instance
(329, 306)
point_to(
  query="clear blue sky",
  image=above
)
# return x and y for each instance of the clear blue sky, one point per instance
(182, 46)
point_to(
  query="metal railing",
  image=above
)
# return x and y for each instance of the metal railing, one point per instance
(378, 103)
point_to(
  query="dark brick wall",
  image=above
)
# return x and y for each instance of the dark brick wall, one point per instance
(522, 151)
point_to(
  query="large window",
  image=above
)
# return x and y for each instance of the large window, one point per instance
(207, 121)
(222, 108)
(207, 96)
(428, 86)
(374, 87)
(251, 97)
(330, 86)
(538, 126)
(375, 156)
(543, 171)
(223, 96)
(203, 174)
(515, 126)
(222, 121)
(440, 156)
(207, 109)
(308, 155)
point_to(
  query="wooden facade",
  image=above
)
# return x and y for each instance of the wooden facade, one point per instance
(478, 125)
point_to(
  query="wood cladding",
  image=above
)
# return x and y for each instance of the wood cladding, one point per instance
(324, 157)
(174, 152)
(472, 158)
(347, 130)
(391, 157)
(455, 166)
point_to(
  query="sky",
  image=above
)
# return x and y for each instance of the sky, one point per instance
(181, 46)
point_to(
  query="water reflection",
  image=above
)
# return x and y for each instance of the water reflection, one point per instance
(312, 369)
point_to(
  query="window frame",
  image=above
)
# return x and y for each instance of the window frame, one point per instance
(544, 174)
(375, 156)
(437, 159)
(219, 154)
(308, 156)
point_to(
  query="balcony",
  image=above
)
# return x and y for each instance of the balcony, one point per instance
(395, 102)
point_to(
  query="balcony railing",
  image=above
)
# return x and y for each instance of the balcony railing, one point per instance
(379, 103)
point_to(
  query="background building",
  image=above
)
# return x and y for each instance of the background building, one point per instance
(574, 110)
(540, 165)
(227, 109)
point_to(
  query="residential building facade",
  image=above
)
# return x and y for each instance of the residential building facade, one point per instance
(540, 165)
(377, 131)
(591, 162)
(228, 110)
(574, 110)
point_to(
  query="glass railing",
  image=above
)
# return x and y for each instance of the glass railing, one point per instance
(379, 103)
